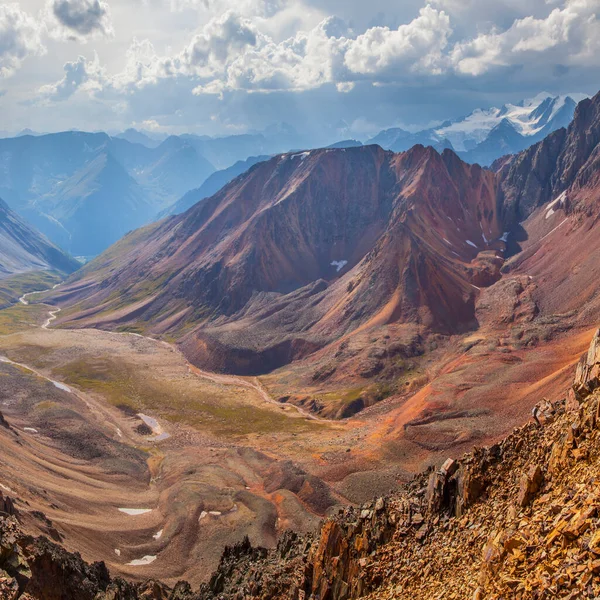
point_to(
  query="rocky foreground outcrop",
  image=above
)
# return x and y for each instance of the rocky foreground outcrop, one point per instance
(519, 519)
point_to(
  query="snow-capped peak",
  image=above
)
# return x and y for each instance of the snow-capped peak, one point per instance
(528, 118)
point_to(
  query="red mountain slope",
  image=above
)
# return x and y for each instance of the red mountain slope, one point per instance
(425, 314)
(301, 250)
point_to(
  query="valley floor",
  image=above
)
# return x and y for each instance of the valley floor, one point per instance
(138, 460)
(141, 460)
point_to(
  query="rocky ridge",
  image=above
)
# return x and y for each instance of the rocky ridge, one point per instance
(518, 519)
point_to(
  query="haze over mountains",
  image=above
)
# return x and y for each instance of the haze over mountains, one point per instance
(22, 249)
(86, 190)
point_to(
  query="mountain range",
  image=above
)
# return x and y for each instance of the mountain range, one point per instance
(86, 190)
(487, 134)
(308, 255)
(395, 229)
(321, 337)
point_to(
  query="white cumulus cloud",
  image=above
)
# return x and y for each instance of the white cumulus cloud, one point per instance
(569, 35)
(79, 75)
(20, 36)
(416, 46)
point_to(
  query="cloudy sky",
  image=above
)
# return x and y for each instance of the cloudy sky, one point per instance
(227, 66)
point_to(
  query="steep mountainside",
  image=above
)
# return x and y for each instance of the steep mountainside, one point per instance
(400, 238)
(518, 519)
(23, 249)
(96, 206)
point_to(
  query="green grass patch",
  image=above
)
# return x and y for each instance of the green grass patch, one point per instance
(205, 409)
(21, 317)
(12, 288)
(47, 405)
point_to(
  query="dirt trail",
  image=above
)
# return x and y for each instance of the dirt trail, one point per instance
(229, 380)
(253, 384)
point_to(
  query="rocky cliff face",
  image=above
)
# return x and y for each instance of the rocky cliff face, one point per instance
(565, 161)
(518, 519)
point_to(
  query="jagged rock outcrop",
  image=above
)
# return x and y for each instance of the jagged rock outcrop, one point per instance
(7, 506)
(566, 160)
(587, 376)
(37, 569)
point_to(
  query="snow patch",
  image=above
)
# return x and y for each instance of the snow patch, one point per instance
(471, 243)
(339, 264)
(140, 562)
(551, 232)
(558, 202)
(158, 535)
(203, 515)
(61, 386)
(301, 155)
(480, 122)
(157, 430)
(117, 552)
(132, 512)
(504, 237)
(30, 429)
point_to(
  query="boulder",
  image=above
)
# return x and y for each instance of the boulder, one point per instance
(7, 505)
(9, 588)
(530, 485)
(587, 375)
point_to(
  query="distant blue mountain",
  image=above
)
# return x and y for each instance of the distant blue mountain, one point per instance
(212, 185)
